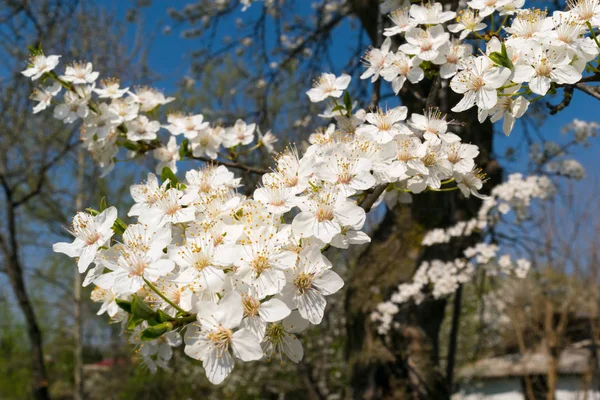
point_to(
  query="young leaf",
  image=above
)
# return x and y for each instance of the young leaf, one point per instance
(184, 149)
(347, 101)
(124, 305)
(168, 174)
(156, 331)
(103, 204)
(141, 310)
(119, 226)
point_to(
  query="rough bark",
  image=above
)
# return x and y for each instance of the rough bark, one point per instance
(14, 269)
(406, 363)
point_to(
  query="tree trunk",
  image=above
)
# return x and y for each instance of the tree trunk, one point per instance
(406, 363)
(14, 269)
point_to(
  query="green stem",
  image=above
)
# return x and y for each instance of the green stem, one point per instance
(507, 86)
(400, 190)
(182, 321)
(502, 24)
(444, 189)
(589, 25)
(162, 296)
(336, 104)
(511, 94)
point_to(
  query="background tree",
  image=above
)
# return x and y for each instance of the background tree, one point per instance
(37, 154)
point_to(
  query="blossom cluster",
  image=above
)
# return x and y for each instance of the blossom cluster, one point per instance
(552, 157)
(538, 53)
(114, 117)
(441, 278)
(238, 276)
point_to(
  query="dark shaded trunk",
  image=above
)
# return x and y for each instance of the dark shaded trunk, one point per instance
(405, 364)
(14, 269)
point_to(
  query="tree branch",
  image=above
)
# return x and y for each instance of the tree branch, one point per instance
(591, 90)
(372, 196)
(232, 164)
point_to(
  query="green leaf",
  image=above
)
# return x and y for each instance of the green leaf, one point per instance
(161, 316)
(497, 58)
(119, 226)
(129, 145)
(92, 211)
(103, 204)
(167, 174)
(238, 214)
(133, 322)
(507, 61)
(184, 149)
(124, 305)
(337, 108)
(347, 101)
(141, 310)
(156, 331)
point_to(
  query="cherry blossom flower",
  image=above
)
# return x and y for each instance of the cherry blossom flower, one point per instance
(478, 83)
(39, 65)
(91, 232)
(110, 89)
(44, 96)
(450, 57)
(190, 125)
(207, 142)
(80, 73)
(215, 338)
(258, 314)
(402, 22)
(508, 108)
(384, 126)
(140, 258)
(167, 156)
(149, 98)
(171, 207)
(142, 128)
(280, 339)
(469, 183)
(400, 68)
(433, 126)
(311, 280)
(239, 134)
(487, 7)
(425, 44)
(542, 66)
(328, 85)
(430, 14)
(468, 21)
(323, 215)
(376, 60)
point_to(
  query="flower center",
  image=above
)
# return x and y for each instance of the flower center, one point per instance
(543, 69)
(426, 45)
(476, 83)
(260, 264)
(304, 281)
(251, 306)
(324, 214)
(221, 337)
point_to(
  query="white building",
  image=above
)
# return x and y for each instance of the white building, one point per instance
(503, 378)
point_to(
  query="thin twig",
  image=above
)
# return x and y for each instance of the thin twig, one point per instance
(232, 164)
